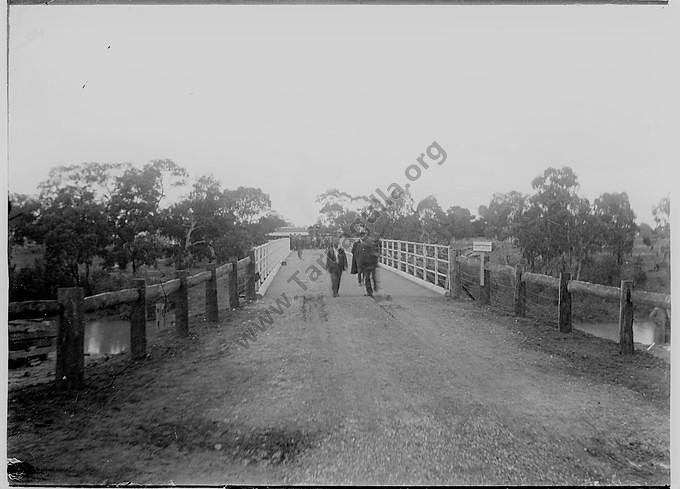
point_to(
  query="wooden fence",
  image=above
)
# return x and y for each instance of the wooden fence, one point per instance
(243, 277)
(505, 286)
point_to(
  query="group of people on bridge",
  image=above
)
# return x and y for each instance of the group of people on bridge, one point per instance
(365, 257)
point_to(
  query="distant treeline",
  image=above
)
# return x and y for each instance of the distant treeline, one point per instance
(554, 228)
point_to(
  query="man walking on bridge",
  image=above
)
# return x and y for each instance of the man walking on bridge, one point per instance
(336, 262)
(368, 256)
(298, 245)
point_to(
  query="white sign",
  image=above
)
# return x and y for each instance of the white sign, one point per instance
(481, 246)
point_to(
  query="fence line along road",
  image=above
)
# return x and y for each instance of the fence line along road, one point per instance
(441, 267)
(244, 277)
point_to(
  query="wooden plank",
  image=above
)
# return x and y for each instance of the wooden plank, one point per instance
(211, 305)
(626, 318)
(157, 291)
(33, 309)
(233, 283)
(485, 288)
(251, 288)
(70, 368)
(497, 268)
(520, 296)
(182, 305)
(199, 278)
(651, 298)
(603, 291)
(540, 279)
(138, 322)
(223, 269)
(108, 299)
(564, 304)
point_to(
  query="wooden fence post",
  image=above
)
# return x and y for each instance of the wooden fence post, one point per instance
(251, 289)
(70, 339)
(233, 283)
(182, 306)
(626, 318)
(452, 271)
(138, 321)
(458, 273)
(151, 311)
(564, 308)
(485, 288)
(211, 307)
(520, 293)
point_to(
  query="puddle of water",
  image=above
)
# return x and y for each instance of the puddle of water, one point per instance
(112, 336)
(643, 332)
(106, 335)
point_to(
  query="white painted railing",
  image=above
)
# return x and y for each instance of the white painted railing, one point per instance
(268, 258)
(427, 262)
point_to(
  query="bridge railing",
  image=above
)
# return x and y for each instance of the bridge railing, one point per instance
(426, 261)
(446, 270)
(240, 278)
(268, 258)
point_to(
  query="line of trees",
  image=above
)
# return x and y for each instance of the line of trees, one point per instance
(114, 214)
(554, 228)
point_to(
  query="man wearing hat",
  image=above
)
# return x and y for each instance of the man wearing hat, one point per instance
(336, 263)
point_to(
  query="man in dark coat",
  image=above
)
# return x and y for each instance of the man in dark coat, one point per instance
(368, 253)
(355, 270)
(336, 263)
(298, 246)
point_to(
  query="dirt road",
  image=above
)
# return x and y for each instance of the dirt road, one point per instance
(407, 387)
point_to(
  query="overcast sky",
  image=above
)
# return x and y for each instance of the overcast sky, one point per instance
(299, 99)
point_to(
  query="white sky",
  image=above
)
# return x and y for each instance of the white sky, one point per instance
(299, 99)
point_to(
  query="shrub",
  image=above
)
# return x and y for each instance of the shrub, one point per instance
(37, 283)
(603, 270)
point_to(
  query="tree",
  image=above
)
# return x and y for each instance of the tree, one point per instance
(98, 178)
(22, 211)
(548, 232)
(588, 236)
(618, 223)
(134, 210)
(248, 204)
(73, 227)
(196, 221)
(459, 222)
(431, 217)
(662, 216)
(646, 233)
(340, 209)
(501, 215)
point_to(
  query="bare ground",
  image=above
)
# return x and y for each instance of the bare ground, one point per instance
(409, 387)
